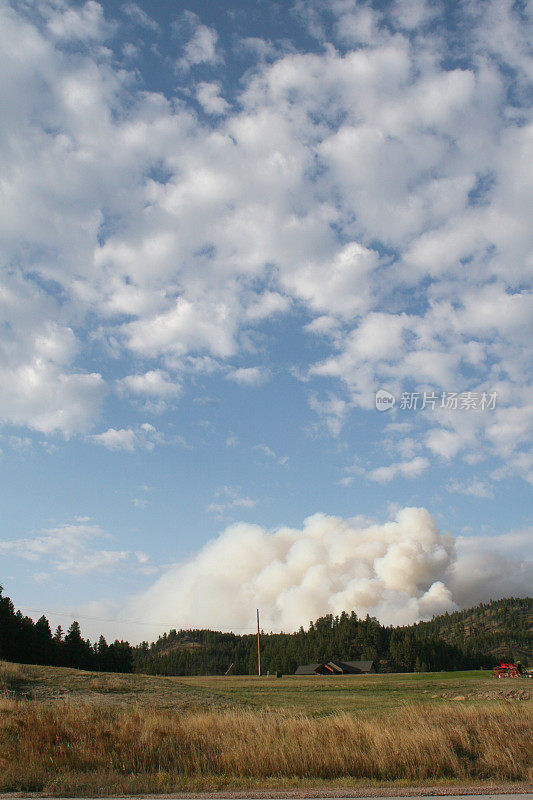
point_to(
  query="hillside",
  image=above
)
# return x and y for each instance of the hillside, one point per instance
(501, 628)
(473, 638)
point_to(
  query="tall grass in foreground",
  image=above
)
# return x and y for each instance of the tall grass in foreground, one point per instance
(64, 747)
(10, 676)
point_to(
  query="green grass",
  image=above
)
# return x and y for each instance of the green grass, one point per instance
(313, 696)
(372, 693)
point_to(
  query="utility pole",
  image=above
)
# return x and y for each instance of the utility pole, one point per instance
(258, 648)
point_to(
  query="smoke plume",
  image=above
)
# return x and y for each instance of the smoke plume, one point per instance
(402, 571)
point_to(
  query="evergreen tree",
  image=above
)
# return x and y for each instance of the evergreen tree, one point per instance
(43, 642)
(471, 638)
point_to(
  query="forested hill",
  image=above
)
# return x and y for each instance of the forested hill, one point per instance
(476, 637)
(496, 629)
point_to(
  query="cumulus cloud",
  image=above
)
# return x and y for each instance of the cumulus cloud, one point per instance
(145, 437)
(265, 305)
(374, 188)
(208, 95)
(39, 388)
(400, 571)
(40, 396)
(201, 47)
(85, 23)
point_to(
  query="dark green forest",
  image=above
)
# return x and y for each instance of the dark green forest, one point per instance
(470, 639)
(27, 642)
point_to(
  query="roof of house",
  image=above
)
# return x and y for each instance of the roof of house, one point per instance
(306, 669)
(363, 666)
(339, 667)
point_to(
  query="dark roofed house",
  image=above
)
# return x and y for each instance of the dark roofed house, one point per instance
(361, 667)
(307, 669)
(337, 668)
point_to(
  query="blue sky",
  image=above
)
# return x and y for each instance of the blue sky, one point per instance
(226, 227)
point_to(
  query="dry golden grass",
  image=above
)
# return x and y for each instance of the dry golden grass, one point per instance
(66, 747)
(11, 676)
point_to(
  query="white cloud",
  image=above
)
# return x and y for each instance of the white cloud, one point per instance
(265, 449)
(140, 17)
(444, 442)
(409, 469)
(474, 488)
(521, 464)
(345, 292)
(248, 376)
(208, 95)
(185, 326)
(38, 390)
(357, 25)
(145, 437)
(21, 443)
(39, 396)
(414, 14)
(67, 548)
(323, 325)
(406, 446)
(379, 336)
(370, 188)
(266, 305)
(201, 48)
(333, 410)
(154, 383)
(269, 453)
(84, 23)
(140, 502)
(346, 481)
(117, 439)
(227, 500)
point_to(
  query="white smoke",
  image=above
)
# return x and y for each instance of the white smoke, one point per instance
(402, 571)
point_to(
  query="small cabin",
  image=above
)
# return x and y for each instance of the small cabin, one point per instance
(338, 668)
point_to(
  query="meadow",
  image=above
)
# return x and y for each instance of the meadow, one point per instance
(65, 731)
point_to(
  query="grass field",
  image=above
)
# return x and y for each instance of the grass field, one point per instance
(67, 731)
(315, 696)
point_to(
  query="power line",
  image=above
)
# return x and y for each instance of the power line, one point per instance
(125, 621)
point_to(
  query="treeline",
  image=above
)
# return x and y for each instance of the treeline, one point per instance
(28, 642)
(497, 628)
(196, 652)
(470, 639)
